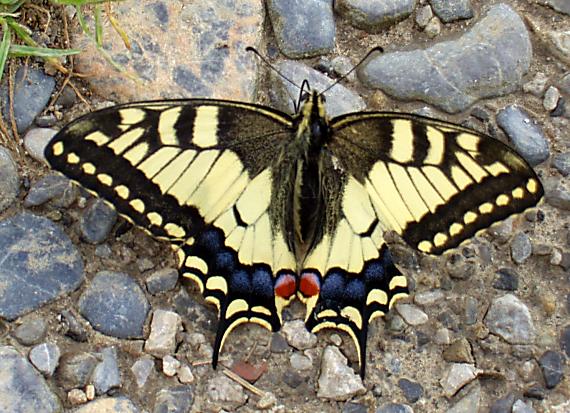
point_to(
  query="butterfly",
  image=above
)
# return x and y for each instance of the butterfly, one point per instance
(262, 207)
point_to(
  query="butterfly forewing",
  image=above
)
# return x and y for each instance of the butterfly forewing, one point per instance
(198, 174)
(434, 183)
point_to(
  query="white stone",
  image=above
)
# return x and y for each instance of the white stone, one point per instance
(411, 314)
(163, 329)
(337, 380)
(458, 375)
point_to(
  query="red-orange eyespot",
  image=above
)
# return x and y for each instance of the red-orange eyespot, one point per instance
(310, 284)
(286, 285)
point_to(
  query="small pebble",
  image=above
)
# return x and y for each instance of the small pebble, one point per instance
(452, 10)
(537, 85)
(106, 375)
(161, 280)
(442, 336)
(471, 310)
(278, 344)
(185, 375)
(31, 331)
(521, 248)
(297, 335)
(412, 391)
(170, 365)
(45, 357)
(411, 314)
(565, 337)
(423, 16)
(394, 408)
(76, 397)
(163, 329)
(337, 381)
(457, 376)
(552, 365)
(469, 403)
(459, 352)
(428, 297)
(142, 368)
(551, 97)
(561, 161)
(300, 362)
(9, 179)
(36, 140)
(433, 28)
(510, 318)
(521, 407)
(507, 279)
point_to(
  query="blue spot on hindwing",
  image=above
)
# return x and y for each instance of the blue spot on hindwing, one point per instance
(355, 291)
(262, 283)
(333, 286)
(240, 282)
(224, 262)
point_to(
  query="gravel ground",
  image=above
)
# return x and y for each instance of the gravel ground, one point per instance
(93, 316)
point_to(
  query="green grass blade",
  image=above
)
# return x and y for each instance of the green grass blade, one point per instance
(22, 51)
(4, 47)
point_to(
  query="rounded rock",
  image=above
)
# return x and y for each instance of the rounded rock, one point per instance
(9, 179)
(36, 140)
(115, 305)
(509, 318)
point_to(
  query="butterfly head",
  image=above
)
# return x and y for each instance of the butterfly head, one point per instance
(313, 122)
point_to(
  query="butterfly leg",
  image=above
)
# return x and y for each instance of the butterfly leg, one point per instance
(241, 293)
(349, 302)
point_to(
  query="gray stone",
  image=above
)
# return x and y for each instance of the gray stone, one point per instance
(354, 408)
(279, 344)
(411, 314)
(45, 357)
(297, 335)
(537, 85)
(452, 10)
(433, 28)
(300, 361)
(73, 327)
(559, 5)
(503, 405)
(97, 221)
(32, 330)
(552, 365)
(36, 140)
(559, 197)
(524, 133)
(142, 368)
(489, 60)
(9, 179)
(561, 161)
(337, 381)
(374, 15)
(303, 28)
(521, 248)
(394, 408)
(423, 16)
(75, 370)
(54, 187)
(551, 97)
(39, 264)
(507, 279)
(224, 393)
(412, 391)
(23, 389)
(509, 318)
(521, 407)
(458, 375)
(560, 41)
(106, 375)
(284, 95)
(108, 405)
(32, 91)
(163, 329)
(471, 310)
(428, 297)
(469, 403)
(170, 365)
(174, 399)
(115, 305)
(161, 280)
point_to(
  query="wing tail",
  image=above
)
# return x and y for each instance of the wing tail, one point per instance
(349, 302)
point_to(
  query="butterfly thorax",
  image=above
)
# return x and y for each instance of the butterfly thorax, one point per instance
(312, 134)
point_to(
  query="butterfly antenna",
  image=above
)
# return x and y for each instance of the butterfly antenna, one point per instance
(266, 62)
(374, 50)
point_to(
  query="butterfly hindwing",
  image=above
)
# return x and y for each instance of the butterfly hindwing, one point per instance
(196, 173)
(435, 184)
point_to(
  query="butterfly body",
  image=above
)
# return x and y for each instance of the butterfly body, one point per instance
(262, 207)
